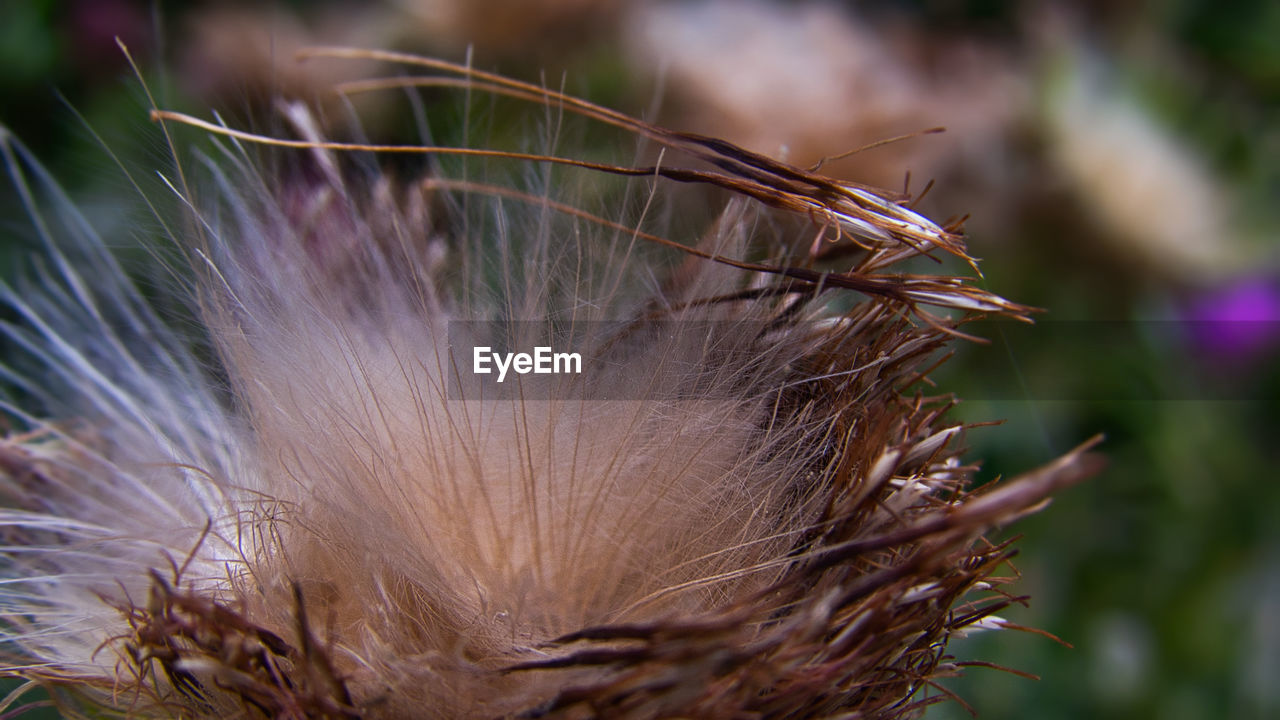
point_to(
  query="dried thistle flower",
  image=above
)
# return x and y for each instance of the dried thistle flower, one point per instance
(744, 506)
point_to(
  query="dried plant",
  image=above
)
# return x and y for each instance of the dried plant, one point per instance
(747, 505)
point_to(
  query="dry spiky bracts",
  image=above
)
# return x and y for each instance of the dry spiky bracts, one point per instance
(745, 505)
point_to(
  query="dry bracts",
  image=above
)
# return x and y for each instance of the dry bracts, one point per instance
(869, 218)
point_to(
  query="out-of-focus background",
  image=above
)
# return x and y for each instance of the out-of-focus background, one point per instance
(1121, 166)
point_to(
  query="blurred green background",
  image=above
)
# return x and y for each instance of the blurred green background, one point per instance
(1121, 162)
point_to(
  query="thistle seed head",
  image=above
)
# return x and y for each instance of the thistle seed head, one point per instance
(747, 503)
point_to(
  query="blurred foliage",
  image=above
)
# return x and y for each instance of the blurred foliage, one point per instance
(1164, 572)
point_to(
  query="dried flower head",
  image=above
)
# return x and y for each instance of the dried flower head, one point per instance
(746, 504)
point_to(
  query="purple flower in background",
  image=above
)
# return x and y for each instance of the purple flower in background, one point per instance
(1238, 323)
